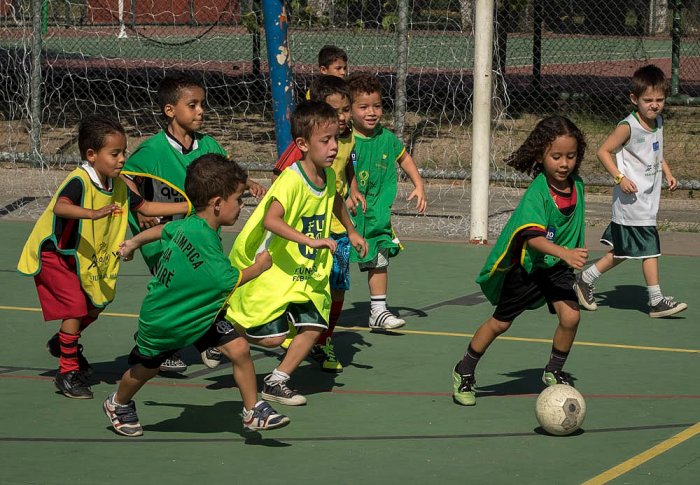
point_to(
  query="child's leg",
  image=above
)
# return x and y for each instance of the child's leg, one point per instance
(650, 269)
(585, 280)
(337, 300)
(300, 347)
(482, 339)
(569, 317)
(132, 381)
(238, 352)
(379, 316)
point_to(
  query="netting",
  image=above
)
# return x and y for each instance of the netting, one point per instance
(569, 57)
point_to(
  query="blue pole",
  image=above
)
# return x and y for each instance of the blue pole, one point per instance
(278, 58)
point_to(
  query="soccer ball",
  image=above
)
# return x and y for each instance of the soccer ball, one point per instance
(560, 409)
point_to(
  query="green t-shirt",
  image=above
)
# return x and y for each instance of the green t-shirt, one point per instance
(191, 284)
(157, 159)
(536, 209)
(375, 160)
(298, 274)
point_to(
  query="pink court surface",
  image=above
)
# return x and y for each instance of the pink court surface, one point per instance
(389, 417)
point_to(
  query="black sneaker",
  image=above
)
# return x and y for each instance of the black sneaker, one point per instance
(551, 377)
(53, 346)
(123, 417)
(276, 390)
(666, 307)
(584, 293)
(73, 384)
(174, 364)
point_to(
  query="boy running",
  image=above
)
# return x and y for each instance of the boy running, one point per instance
(189, 289)
(293, 222)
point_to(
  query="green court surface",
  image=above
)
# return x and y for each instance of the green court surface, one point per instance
(389, 417)
(426, 50)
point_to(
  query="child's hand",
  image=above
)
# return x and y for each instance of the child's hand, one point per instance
(576, 258)
(672, 182)
(146, 222)
(421, 200)
(105, 211)
(359, 243)
(627, 186)
(327, 243)
(126, 250)
(264, 260)
(356, 199)
(255, 189)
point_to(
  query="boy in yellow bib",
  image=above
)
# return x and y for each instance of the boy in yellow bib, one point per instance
(293, 223)
(72, 252)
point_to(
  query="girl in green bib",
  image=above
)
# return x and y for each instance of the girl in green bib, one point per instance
(533, 260)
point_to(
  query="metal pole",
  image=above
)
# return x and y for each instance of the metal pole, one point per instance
(676, 48)
(278, 58)
(481, 124)
(35, 82)
(537, 44)
(401, 69)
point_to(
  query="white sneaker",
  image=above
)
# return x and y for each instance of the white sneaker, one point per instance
(385, 320)
(211, 357)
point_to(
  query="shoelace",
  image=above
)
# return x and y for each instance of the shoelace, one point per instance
(329, 350)
(467, 383)
(562, 377)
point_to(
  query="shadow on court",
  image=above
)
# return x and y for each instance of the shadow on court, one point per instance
(525, 381)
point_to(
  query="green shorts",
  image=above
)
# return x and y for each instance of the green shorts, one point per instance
(632, 242)
(297, 314)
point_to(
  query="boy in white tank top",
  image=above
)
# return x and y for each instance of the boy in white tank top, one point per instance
(633, 155)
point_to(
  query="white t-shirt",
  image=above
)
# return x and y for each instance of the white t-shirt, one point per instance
(640, 160)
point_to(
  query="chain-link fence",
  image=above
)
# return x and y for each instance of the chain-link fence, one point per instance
(568, 56)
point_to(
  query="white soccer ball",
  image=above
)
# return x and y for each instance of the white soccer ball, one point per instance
(560, 409)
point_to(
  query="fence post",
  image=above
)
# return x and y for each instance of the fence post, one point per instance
(35, 82)
(676, 48)
(278, 58)
(481, 124)
(401, 69)
(537, 45)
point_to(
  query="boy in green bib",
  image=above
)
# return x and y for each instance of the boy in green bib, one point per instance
(193, 281)
(293, 222)
(533, 258)
(157, 168)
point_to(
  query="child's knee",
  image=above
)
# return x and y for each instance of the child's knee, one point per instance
(269, 342)
(569, 315)
(498, 326)
(235, 349)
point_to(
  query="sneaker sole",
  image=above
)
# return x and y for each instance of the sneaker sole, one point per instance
(173, 369)
(283, 400)
(117, 430)
(386, 327)
(671, 311)
(332, 370)
(582, 301)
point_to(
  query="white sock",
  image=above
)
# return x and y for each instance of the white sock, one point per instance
(655, 294)
(590, 274)
(278, 375)
(377, 303)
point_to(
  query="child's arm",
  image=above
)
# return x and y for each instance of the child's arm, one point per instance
(274, 222)
(357, 241)
(263, 262)
(128, 247)
(409, 167)
(144, 221)
(606, 155)
(149, 208)
(68, 210)
(672, 182)
(355, 197)
(575, 257)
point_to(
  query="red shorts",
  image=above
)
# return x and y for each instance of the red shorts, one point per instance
(60, 294)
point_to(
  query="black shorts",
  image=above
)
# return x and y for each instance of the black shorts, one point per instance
(220, 333)
(522, 290)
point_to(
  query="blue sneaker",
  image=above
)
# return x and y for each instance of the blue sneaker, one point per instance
(123, 417)
(263, 417)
